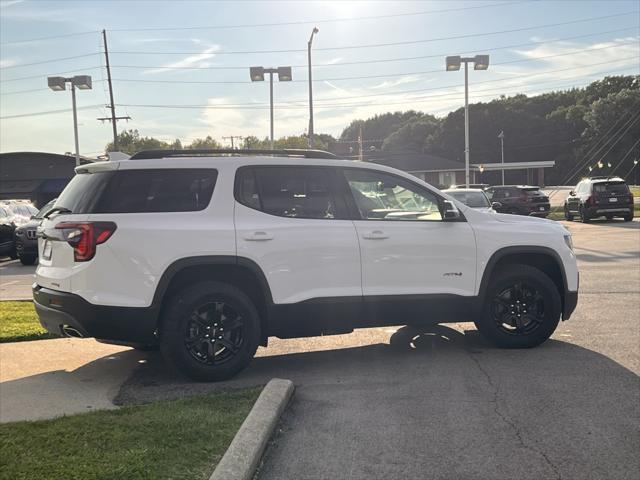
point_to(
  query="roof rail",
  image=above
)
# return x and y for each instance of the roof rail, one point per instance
(604, 177)
(148, 154)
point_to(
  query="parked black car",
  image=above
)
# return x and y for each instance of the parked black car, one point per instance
(519, 200)
(7, 227)
(26, 241)
(600, 197)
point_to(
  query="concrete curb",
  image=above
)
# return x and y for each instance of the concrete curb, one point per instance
(241, 459)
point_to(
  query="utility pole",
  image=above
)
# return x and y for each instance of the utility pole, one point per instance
(501, 137)
(113, 119)
(309, 43)
(231, 137)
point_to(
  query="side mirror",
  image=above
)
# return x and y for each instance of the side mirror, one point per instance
(450, 212)
(496, 205)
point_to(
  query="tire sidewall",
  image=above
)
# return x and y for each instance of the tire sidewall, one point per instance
(552, 301)
(174, 325)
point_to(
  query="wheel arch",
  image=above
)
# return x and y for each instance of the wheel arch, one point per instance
(241, 272)
(544, 259)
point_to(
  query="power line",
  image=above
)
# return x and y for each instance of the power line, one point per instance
(48, 112)
(626, 155)
(385, 60)
(53, 60)
(360, 77)
(51, 37)
(294, 107)
(389, 44)
(44, 75)
(315, 22)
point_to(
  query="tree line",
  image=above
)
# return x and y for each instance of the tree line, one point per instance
(595, 128)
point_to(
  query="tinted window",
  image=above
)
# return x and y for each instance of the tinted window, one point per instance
(380, 196)
(162, 190)
(618, 188)
(288, 191)
(83, 192)
(137, 191)
(45, 209)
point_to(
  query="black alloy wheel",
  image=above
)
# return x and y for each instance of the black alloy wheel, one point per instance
(214, 333)
(209, 331)
(521, 308)
(518, 309)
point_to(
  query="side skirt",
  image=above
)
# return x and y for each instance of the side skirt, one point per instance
(338, 315)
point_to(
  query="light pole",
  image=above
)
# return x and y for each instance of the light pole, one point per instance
(501, 137)
(480, 62)
(83, 82)
(257, 75)
(313, 32)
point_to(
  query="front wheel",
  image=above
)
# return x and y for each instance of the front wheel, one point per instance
(567, 214)
(28, 259)
(521, 309)
(209, 331)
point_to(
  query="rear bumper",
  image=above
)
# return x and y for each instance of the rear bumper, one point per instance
(570, 303)
(611, 209)
(119, 324)
(534, 210)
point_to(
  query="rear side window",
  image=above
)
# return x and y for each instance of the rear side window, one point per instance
(162, 190)
(139, 191)
(296, 192)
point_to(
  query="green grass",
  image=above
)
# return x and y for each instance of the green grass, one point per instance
(635, 190)
(557, 213)
(19, 322)
(177, 439)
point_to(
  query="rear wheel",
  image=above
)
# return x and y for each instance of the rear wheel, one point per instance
(567, 214)
(609, 217)
(628, 218)
(209, 331)
(584, 217)
(28, 259)
(522, 308)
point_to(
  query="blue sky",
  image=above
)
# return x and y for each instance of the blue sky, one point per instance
(173, 53)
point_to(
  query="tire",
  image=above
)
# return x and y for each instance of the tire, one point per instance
(145, 347)
(543, 310)
(192, 339)
(628, 218)
(584, 218)
(28, 259)
(568, 216)
(609, 217)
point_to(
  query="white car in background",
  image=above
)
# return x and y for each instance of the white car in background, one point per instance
(474, 198)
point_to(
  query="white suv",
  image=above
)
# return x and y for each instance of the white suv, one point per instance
(208, 253)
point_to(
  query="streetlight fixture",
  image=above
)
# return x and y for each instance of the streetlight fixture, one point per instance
(82, 82)
(480, 62)
(313, 32)
(501, 137)
(257, 75)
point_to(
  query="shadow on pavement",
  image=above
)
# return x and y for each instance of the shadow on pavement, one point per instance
(439, 403)
(92, 386)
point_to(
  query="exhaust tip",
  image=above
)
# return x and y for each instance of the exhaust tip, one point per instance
(71, 332)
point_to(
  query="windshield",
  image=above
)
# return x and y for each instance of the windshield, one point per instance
(471, 199)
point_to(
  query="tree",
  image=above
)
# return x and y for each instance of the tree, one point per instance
(130, 142)
(208, 143)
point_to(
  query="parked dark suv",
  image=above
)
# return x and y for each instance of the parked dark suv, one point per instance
(519, 200)
(600, 197)
(26, 241)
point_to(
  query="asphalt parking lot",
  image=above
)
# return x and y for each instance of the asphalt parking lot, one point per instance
(441, 403)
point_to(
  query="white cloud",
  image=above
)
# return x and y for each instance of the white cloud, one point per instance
(7, 62)
(399, 81)
(199, 60)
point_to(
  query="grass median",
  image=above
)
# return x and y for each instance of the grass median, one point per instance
(164, 440)
(19, 322)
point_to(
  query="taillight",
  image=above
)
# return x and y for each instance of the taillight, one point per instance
(85, 236)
